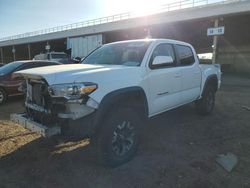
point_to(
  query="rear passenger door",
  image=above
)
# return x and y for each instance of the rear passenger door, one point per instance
(191, 73)
(164, 81)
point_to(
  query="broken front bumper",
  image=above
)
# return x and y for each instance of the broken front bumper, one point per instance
(27, 123)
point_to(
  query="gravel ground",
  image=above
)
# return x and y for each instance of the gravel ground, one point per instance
(178, 150)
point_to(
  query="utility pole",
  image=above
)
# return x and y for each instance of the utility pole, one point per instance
(47, 47)
(14, 53)
(215, 42)
(29, 51)
(1, 55)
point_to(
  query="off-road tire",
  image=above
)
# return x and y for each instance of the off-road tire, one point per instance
(205, 105)
(107, 141)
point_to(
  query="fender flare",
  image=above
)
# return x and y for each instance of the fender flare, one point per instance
(208, 80)
(115, 97)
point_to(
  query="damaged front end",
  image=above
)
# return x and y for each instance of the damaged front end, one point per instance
(56, 105)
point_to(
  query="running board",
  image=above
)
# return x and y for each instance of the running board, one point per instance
(33, 126)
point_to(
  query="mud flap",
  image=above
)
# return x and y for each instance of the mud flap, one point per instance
(43, 130)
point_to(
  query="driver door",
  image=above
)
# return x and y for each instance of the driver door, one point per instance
(164, 81)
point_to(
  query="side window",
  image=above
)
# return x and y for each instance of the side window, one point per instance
(32, 65)
(185, 55)
(163, 50)
(43, 64)
(26, 66)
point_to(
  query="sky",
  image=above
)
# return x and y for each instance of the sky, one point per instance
(20, 16)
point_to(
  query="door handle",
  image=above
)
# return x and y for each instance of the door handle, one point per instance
(197, 72)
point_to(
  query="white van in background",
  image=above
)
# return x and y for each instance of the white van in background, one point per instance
(52, 56)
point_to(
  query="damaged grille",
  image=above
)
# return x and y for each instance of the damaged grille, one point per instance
(39, 105)
(37, 93)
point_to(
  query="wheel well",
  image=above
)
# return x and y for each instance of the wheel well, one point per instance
(135, 100)
(133, 97)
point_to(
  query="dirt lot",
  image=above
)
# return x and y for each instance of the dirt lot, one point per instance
(178, 150)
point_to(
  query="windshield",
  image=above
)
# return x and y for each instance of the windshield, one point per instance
(128, 53)
(8, 68)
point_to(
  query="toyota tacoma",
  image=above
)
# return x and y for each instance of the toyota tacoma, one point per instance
(114, 90)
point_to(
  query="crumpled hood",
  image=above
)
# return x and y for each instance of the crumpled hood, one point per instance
(68, 73)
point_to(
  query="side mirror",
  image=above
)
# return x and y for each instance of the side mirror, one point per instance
(162, 60)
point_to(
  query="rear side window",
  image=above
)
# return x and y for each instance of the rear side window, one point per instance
(185, 54)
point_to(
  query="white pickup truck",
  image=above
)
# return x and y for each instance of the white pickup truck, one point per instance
(114, 90)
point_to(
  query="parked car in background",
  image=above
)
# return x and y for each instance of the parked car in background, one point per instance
(9, 84)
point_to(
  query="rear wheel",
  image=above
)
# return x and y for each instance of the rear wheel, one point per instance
(3, 96)
(117, 141)
(206, 104)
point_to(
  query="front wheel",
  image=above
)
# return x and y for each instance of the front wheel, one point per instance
(205, 105)
(118, 139)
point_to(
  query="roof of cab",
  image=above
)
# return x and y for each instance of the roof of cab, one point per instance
(154, 40)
